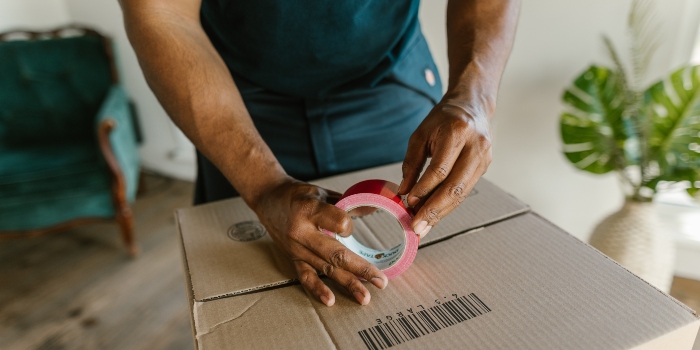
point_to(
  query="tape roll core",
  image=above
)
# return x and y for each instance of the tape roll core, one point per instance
(382, 195)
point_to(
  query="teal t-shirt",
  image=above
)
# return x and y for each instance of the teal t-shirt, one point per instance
(309, 48)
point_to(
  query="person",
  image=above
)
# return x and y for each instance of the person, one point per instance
(273, 93)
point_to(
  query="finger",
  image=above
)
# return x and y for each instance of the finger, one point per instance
(312, 283)
(448, 195)
(340, 257)
(332, 197)
(413, 163)
(332, 218)
(349, 282)
(340, 276)
(445, 154)
(416, 208)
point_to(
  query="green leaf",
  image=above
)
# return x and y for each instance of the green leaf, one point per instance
(592, 126)
(674, 138)
(692, 191)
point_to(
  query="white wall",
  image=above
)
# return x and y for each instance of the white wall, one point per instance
(556, 40)
(31, 14)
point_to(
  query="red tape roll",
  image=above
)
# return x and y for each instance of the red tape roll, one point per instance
(381, 194)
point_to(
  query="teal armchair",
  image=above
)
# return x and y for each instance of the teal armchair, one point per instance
(68, 143)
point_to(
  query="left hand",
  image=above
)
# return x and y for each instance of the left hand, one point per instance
(458, 139)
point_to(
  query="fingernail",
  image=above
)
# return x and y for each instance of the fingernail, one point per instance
(361, 298)
(420, 227)
(380, 282)
(413, 200)
(425, 231)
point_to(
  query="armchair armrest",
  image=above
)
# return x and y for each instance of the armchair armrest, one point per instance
(117, 140)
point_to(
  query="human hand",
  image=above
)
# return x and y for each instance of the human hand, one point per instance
(459, 141)
(294, 213)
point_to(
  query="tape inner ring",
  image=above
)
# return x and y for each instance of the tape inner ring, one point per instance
(383, 259)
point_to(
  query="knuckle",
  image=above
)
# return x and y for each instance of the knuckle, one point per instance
(432, 215)
(352, 285)
(421, 191)
(306, 278)
(307, 206)
(484, 142)
(339, 257)
(460, 126)
(440, 171)
(365, 272)
(328, 269)
(457, 191)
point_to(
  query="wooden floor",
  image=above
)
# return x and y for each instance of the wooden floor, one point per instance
(79, 290)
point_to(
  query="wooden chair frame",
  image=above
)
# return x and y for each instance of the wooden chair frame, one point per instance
(122, 211)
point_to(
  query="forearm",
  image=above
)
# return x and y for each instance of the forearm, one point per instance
(193, 84)
(480, 36)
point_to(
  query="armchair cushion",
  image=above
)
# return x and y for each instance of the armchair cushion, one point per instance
(43, 186)
(51, 89)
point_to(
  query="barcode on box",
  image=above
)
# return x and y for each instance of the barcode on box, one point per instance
(413, 325)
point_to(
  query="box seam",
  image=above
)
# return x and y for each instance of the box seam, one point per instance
(247, 291)
(188, 279)
(500, 219)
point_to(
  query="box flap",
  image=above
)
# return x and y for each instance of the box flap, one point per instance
(520, 283)
(264, 320)
(539, 286)
(221, 266)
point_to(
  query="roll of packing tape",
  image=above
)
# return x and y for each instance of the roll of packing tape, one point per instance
(381, 194)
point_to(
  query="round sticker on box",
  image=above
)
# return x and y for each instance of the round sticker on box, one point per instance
(246, 231)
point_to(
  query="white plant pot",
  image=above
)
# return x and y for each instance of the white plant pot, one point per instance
(634, 237)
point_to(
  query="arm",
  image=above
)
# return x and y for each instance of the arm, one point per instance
(457, 132)
(193, 84)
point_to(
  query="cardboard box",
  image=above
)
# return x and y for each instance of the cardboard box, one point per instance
(490, 276)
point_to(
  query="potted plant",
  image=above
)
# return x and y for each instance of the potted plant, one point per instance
(649, 136)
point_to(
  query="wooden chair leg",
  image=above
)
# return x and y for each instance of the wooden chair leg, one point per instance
(125, 220)
(122, 211)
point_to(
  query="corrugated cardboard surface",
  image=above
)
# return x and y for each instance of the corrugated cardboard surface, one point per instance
(257, 320)
(540, 288)
(545, 290)
(219, 266)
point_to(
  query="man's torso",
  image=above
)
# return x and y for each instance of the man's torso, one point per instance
(308, 48)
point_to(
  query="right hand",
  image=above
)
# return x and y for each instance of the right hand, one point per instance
(295, 213)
